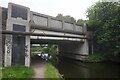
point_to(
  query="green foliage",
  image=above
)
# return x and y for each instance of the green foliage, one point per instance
(17, 72)
(54, 60)
(51, 72)
(59, 16)
(36, 49)
(104, 20)
(50, 49)
(71, 19)
(0, 75)
(66, 18)
(94, 58)
(81, 22)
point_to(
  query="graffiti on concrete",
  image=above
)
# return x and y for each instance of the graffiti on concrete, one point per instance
(26, 50)
(8, 44)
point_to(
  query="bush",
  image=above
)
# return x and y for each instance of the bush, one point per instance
(54, 60)
(94, 58)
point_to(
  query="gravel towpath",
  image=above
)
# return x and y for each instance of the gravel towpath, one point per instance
(39, 67)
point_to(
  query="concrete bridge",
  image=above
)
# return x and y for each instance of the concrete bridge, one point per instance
(22, 27)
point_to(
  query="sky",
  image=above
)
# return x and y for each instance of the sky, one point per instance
(74, 8)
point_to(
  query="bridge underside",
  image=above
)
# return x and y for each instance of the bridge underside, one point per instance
(70, 49)
(49, 41)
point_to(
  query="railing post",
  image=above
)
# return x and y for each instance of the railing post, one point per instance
(74, 27)
(84, 28)
(63, 23)
(48, 22)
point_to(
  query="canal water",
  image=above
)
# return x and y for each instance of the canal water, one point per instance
(77, 69)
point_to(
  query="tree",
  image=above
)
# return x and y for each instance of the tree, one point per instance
(69, 19)
(81, 22)
(66, 18)
(50, 49)
(59, 16)
(104, 20)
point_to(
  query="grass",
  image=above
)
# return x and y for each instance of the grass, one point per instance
(17, 72)
(0, 73)
(51, 71)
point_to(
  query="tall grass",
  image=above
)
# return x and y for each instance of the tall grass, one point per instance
(51, 71)
(17, 72)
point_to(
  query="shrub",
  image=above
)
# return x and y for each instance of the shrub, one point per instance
(94, 58)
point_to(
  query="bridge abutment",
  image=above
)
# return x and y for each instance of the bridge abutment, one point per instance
(17, 47)
(74, 50)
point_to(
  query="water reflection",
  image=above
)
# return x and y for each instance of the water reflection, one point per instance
(75, 69)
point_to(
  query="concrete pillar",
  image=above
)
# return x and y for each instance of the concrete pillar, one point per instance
(84, 47)
(17, 46)
(0, 37)
(75, 49)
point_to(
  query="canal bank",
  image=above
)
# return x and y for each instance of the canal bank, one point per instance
(76, 69)
(43, 69)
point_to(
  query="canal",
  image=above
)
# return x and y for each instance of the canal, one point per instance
(77, 69)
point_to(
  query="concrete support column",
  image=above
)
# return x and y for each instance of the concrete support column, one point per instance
(84, 46)
(0, 38)
(75, 49)
(17, 47)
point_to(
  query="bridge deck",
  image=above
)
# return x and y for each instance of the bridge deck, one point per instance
(45, 22)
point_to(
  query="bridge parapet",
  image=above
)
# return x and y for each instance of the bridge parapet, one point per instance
(45, 22)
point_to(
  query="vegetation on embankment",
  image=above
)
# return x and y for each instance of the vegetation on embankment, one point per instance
(103, 20)
(97, 57)
(94, 58)
(52, 72)
(17, 72)
(52, 50)
(0, 75)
